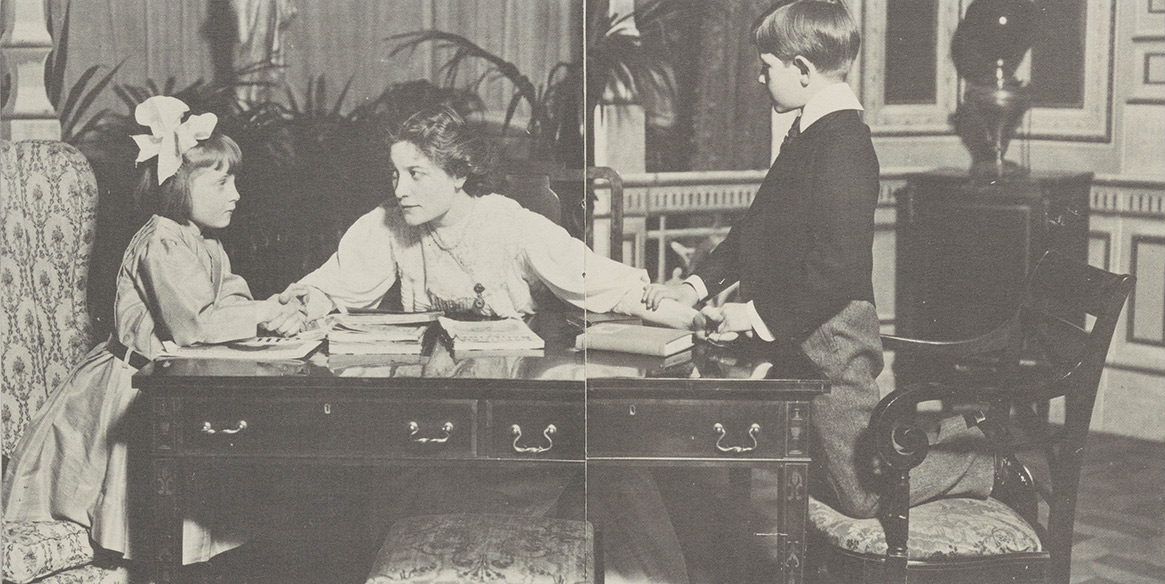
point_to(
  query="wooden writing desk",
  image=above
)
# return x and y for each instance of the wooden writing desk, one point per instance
(738, 408)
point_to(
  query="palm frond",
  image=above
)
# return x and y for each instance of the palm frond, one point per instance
(81, 98)
(464, 49)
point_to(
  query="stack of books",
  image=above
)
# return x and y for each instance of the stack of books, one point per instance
(502, 337)
(379, 333)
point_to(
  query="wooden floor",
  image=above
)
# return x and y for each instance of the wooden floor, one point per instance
(1120, 521)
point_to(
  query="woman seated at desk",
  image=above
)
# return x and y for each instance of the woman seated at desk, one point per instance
(457, 248)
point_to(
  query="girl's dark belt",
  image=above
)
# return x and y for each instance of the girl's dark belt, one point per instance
(131, 357)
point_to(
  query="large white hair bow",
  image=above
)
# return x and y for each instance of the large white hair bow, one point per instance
(169, 136)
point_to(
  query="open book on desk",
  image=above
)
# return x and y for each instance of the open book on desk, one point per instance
(252, 349)
(495, 336)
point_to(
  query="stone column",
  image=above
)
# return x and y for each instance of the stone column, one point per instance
(26, 45)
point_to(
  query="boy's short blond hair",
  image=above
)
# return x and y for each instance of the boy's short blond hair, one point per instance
(823, 32)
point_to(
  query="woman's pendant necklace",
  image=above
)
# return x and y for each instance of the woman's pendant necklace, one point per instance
(479, 304)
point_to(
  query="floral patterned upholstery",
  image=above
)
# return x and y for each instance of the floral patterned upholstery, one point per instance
(468, 548)
(944, 528)
(35, 548)
(89, 574)
(48, 205)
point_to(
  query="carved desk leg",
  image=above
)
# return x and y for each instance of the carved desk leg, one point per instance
(796, 505)
(795, 495)
(166, 491)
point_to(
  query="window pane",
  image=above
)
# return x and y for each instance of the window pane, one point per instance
(1058, 54)
(911, 30)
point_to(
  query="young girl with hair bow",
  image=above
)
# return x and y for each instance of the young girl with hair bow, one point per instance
(174, 284)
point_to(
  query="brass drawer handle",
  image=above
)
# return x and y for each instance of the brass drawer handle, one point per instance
(753, 430)
(446, 432)
(550, 430)
(208, 429)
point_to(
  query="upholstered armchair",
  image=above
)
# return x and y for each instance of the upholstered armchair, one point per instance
(49, 199)
(1053, 348)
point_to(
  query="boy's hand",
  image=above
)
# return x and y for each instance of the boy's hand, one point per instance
(683, 293)
(732, 317)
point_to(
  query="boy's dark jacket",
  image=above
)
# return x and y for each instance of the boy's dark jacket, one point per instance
(804, 248)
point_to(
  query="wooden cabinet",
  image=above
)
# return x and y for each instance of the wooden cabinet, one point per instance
(966, 246)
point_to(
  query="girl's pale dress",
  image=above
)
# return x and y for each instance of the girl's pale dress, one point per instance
(72, 462)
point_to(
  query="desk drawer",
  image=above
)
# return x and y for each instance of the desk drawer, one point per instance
(347, 428)
(535, 430)
(692, 428)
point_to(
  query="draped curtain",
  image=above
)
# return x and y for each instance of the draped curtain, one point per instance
(731, 129)
(332, 39)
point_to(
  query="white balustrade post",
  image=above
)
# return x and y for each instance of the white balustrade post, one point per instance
(26, 46)
(620, 132)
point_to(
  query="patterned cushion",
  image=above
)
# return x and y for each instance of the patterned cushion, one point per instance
(466, 548)
(48, 204)
(90, 574)
(944, 528)
(35, 548)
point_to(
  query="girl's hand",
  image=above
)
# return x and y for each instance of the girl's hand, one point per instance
(683, 293)
(282, 314)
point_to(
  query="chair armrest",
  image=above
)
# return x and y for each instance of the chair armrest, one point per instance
(899, 442)
(996, 340)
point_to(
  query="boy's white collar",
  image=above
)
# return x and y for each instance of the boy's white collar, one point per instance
(832, 98)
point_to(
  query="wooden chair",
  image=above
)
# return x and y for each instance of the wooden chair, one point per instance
(1042, 353)
(566, 196)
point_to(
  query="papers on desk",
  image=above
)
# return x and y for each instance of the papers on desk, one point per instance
(253, 349)
(493, 336)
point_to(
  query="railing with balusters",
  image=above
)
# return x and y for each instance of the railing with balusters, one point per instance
(1126, 235)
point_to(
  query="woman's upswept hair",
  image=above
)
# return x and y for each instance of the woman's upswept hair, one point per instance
(821, 31)
(444, 137)
(172, 198)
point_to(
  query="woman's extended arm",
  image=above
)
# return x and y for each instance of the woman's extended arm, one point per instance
(587, 280)
(360, 272)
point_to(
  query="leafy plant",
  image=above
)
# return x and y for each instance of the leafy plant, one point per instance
(544, 100)
(615, 59)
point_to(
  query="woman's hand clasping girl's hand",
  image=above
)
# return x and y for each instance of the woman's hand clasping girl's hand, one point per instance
(284, 314)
